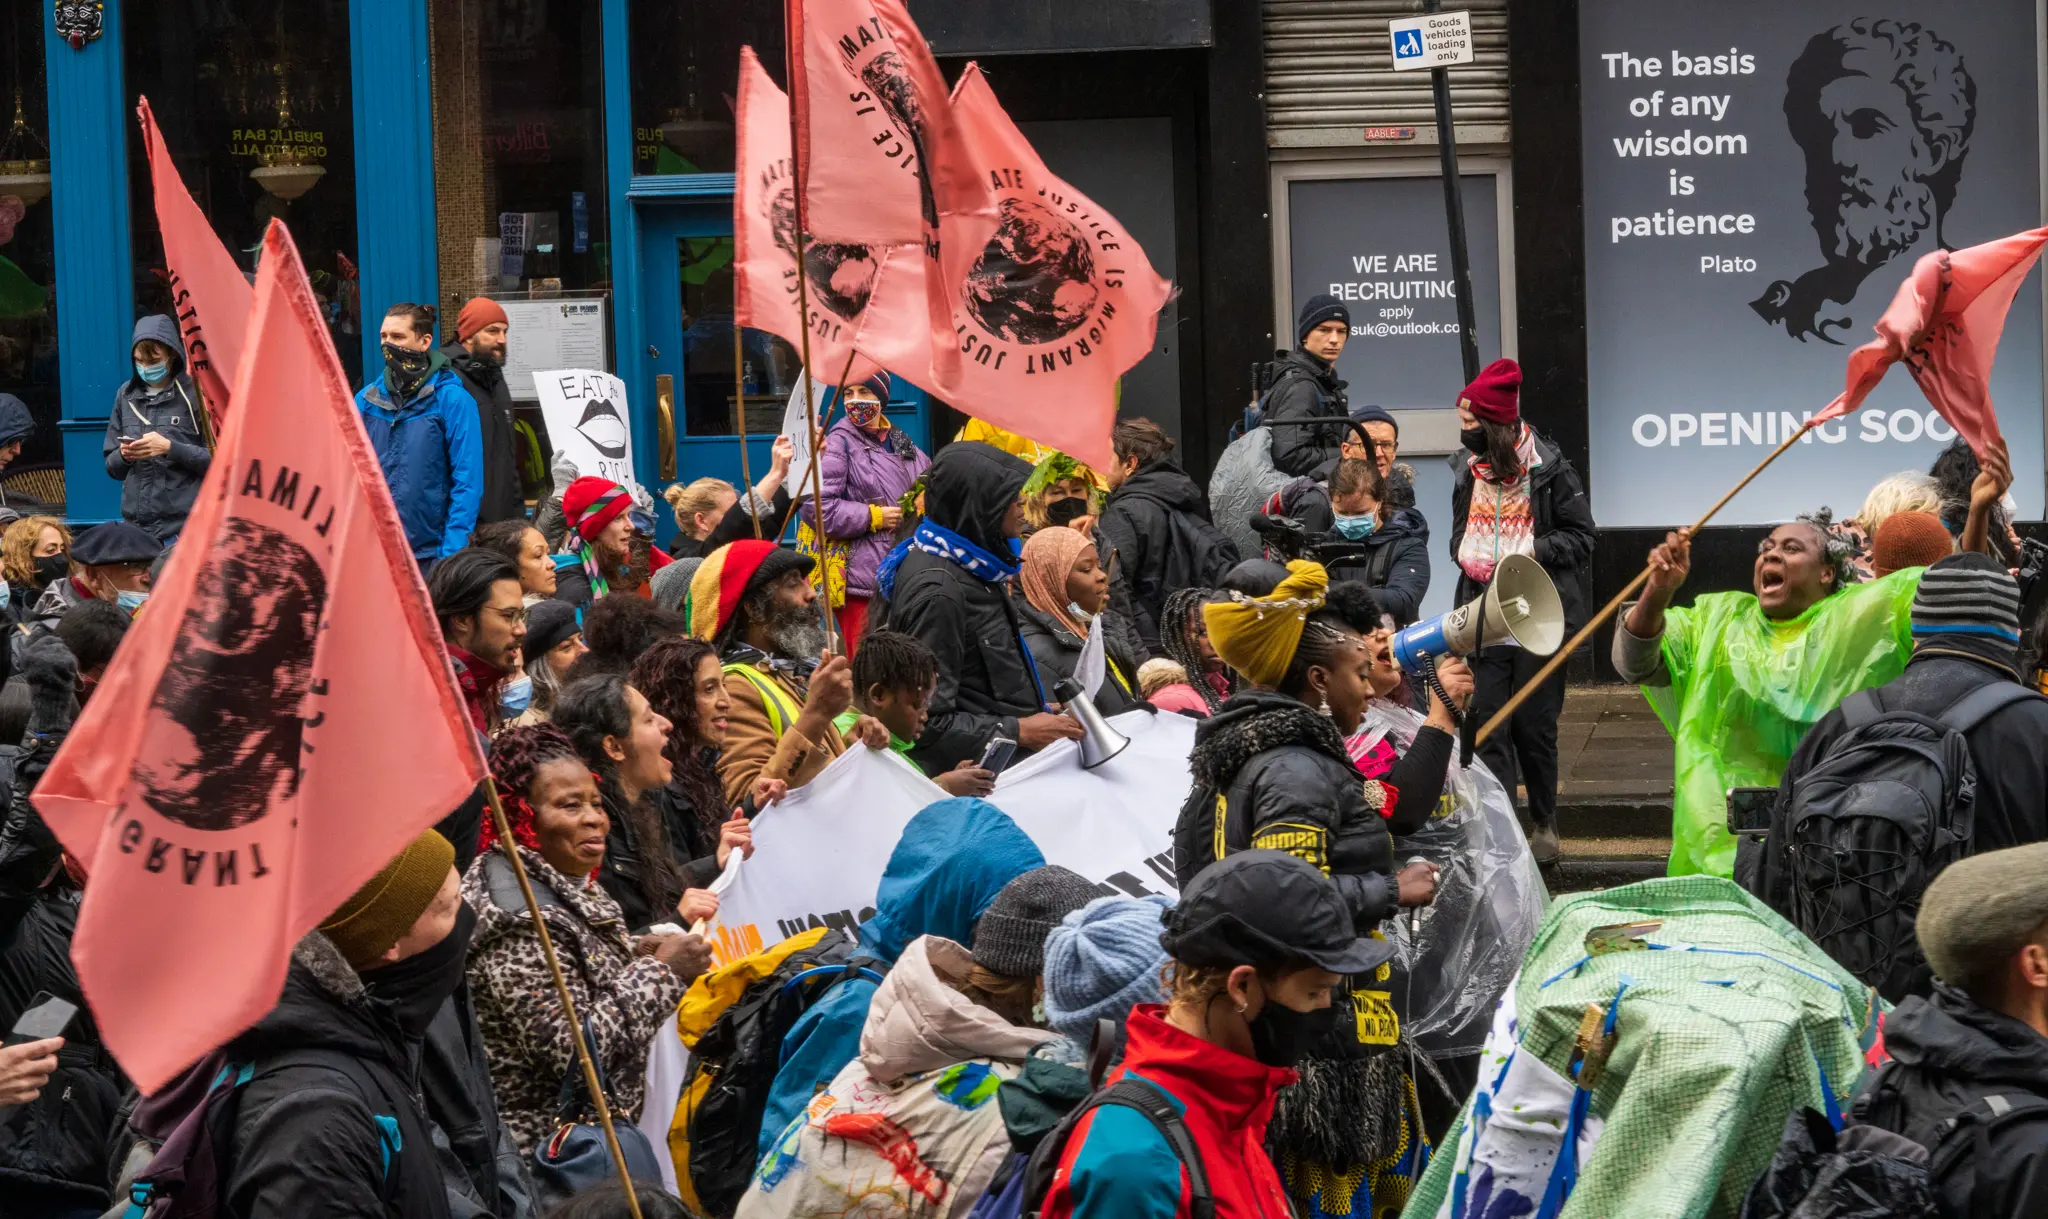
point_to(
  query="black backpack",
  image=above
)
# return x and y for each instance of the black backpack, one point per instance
(1267, 378)
(735, 1061)
(1875, 819)
(1198, 554)
(1132, 1093)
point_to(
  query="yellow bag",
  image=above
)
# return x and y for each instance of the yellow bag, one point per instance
(830, 566)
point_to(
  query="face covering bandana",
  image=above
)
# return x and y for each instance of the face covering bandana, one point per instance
(50, 569)
(516, 695)
(1474, 441)
(153, 374)
(1281, 1036)
(130, 600)
(1065, 511)
(404, 369)
(1357, 528)
(416, 987)
(865, 415)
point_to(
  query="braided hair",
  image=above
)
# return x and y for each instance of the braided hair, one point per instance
(588, 710)
(516, 757)
(1349, 612)
(1835, 550)
(667, 674)
(1175, 617)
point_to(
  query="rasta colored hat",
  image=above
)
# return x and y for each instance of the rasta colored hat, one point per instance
(591, 503)
(1009, 937)
(1257, 635)
(1316, 310)
(477, 314)
(728, 574)
(379, 914)
(1496, 394)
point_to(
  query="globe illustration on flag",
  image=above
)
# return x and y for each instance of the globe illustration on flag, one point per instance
(842, 275)
(1034, 282)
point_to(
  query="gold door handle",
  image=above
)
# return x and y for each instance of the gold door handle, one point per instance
(665, 428)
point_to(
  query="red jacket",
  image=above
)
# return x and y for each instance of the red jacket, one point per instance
(1117, 1166)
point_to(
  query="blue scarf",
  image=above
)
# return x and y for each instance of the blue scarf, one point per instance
(943, 542)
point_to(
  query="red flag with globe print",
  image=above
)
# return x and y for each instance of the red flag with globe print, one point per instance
(1945, 323)
(1050, 311)
(841, 276)
(209, 295)
(275, 728)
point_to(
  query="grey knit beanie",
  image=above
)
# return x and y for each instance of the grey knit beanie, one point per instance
(1103, 960)
(671, 585)
(1009, 937)
(1968, 594)
(1982, 910)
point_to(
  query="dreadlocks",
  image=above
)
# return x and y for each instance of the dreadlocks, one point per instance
(1183, 608)
(667, 674)
(1836, 550)
(516, 756)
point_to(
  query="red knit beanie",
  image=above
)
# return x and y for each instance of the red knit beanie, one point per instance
(1496, 395)
(591, 503)
(477, 314)
(1909, 539)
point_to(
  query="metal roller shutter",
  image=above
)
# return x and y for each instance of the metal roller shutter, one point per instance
(1329, 76)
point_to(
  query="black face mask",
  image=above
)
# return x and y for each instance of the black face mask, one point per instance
(1474, 440)
(1063, 512)
(1281, 1036)
(416, 987)
(50, 569)
(405, 368)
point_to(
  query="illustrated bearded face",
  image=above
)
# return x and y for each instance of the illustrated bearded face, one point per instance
(1877, 201)
(228, 709)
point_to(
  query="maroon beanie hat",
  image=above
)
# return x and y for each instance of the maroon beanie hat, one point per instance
(1496, 395)
(591, 503)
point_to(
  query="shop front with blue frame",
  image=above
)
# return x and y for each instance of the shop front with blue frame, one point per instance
(667, 317)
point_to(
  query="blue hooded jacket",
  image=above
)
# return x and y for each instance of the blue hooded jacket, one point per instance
(432, 453)
(953, 858)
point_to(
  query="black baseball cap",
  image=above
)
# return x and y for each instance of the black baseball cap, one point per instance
(1267, 909)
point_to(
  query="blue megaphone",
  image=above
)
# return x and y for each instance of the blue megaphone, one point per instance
(1520, 608)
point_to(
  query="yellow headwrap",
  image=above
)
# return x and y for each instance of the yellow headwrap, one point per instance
(1257, 635)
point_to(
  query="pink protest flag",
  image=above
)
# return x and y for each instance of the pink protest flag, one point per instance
(841, 276)
(1945, 323)
(862, 123)
(280, 721)
(209, 294)
(1040, 319)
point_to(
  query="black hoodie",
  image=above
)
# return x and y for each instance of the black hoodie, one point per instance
(1948, 1052)
(1137, 526)
(986, 677)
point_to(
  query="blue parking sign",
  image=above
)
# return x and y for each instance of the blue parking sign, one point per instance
(1408, 44)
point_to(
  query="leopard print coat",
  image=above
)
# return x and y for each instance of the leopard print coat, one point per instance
(624, 997)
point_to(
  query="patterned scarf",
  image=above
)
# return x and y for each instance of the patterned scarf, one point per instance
(1500, 521)
(943, 542)
(599, 586)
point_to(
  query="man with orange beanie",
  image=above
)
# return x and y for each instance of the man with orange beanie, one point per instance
(478, 357)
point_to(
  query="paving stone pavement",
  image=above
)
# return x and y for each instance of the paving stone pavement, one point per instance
(1614, 789)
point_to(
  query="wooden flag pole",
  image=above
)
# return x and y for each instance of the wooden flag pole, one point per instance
(1607, 611)
(547, 952)
(739, 397)
(803, 307)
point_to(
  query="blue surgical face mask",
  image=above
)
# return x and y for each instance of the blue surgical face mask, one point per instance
(130, 601)
(1357, 528)
(153, 374)
(516, 695)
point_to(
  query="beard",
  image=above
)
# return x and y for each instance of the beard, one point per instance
(793, 630)
(1870, 231)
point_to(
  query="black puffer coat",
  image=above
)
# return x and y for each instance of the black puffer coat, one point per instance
(986, 681)
(1288, 783)
(1307, 389)
(1948, 1053)
(504, 499)
(305, 1138)
(1056, 650)
(1563, 524)
(56, 1149)
(1137, 526)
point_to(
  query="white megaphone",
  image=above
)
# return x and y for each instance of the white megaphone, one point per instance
(1520, 608)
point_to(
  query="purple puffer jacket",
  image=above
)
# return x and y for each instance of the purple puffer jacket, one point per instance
(860, 470)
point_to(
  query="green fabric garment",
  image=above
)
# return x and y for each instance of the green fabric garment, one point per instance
(1730, 1021)
(1035, 1101)
(846, 719)
(1744, 690)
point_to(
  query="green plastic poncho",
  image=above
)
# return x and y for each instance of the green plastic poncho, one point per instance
(1744, 689)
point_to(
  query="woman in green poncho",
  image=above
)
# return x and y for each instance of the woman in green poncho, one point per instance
(1738, 678)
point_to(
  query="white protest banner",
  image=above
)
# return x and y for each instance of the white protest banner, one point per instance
(819, 855)
(796, 426)
(586, 414)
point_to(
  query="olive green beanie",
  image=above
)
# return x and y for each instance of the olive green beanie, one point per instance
(379, 914)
